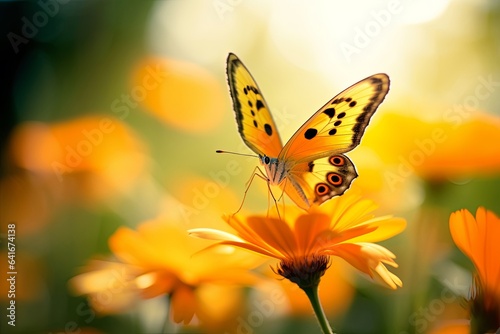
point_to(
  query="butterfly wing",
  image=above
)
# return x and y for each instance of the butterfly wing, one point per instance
(317, 168)
(339, 125)
(255, 123)
(319, 180)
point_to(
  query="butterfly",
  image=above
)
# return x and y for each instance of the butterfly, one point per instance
(312, 167)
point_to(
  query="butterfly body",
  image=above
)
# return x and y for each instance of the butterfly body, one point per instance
(311, 167)
(276, 170)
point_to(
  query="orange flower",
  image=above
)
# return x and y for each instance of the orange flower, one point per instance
(158, 259)
(303, 242)
(478, 239)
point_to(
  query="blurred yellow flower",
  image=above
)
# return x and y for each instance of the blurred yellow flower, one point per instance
(303, 242)
(478, 239)
(181, 94)
(159, 258)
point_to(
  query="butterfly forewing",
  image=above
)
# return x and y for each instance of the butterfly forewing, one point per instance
(339, 125)
(255, 123)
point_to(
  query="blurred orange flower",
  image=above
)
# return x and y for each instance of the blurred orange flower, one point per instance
(158, 259)
(436, 149)
(100, 149)
(478, 239)
(303, 242)
(26, 200)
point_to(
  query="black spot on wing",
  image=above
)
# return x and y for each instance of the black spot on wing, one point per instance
(310, 133)
(269, 129)
(330, 112)
(259, 105)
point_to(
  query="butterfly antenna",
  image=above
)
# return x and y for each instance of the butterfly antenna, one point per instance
(235, 153)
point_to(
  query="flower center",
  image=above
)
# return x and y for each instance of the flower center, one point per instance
(306, 271)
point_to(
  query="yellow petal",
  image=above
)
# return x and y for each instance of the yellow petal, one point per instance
(369, 259)
(384, 228)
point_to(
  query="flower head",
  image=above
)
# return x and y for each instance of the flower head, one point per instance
(303, 242)
(478, 239)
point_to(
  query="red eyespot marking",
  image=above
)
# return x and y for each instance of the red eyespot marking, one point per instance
(334, 179)
(337, 160)
(321, 189)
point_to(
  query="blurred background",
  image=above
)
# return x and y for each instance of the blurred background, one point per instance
(112, 112)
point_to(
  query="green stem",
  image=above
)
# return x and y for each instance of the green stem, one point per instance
(312, 294)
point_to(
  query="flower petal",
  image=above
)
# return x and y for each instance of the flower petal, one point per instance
(309, 228)
(383, 229)
(268, 233)
(212, 234)
(369, 258)
(478, 239)
(183, 304)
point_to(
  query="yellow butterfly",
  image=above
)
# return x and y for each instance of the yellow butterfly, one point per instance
(311, 168)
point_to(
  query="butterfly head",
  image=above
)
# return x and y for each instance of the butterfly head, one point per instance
(275, 169)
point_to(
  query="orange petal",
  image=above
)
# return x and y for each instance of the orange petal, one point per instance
(183, 304)
(478, 239)
(271, 234)
(308, 231)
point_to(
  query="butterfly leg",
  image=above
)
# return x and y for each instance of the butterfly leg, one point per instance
(256, 172)
(259, 173)
(270, 192)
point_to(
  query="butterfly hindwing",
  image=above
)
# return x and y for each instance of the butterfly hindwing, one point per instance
(339, 125)
(317, 181)
(255, 123)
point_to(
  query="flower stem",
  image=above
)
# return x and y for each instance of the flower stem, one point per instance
(312, 294)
